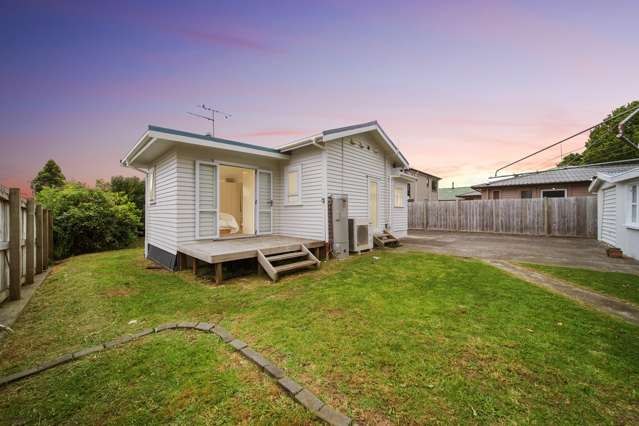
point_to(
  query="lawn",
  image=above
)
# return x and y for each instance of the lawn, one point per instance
(617, 284)
(398, 337)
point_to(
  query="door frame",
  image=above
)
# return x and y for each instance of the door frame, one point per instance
(216, 210)
(258, 231)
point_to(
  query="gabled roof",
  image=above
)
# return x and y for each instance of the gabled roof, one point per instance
(563, 174)
(342, 132)
(158, 138)
(448, 194)
(417, 171)
(602, 178)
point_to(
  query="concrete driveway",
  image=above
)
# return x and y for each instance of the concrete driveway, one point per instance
(577, 252)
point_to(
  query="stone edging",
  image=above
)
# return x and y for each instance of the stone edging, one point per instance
(292, 388)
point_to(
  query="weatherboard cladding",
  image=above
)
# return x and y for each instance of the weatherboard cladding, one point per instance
(561, 175)
(161, 223)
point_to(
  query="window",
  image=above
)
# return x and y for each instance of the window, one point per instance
(408, 191)
(434, 186)
(553, 193)
(526, 194)
(399, 197)
(495, 195)
(634, 204)
(151, 184)
(294, 185)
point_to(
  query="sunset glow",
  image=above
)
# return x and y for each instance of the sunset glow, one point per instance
(462, 88)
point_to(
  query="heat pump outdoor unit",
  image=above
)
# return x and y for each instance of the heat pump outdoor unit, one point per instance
(358, 238)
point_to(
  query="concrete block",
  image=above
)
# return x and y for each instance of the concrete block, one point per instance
(186, 324)
(55, 362)
(87, 351)
(274, 371)
(224, 335)
(238, 344)
(204, 326)
(142, 333)
(289, 385)
(167, 326)
(333, 417)
(309, 400)
(255, 357)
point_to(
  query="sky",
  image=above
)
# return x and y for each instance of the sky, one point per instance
(461, 87)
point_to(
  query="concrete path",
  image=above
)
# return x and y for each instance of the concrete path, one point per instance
(575, 252)
(608, 304)
(10, 309)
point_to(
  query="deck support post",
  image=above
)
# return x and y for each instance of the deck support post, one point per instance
(217, 267)
(194, 265)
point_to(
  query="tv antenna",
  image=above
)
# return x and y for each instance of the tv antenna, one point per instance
(211, 118)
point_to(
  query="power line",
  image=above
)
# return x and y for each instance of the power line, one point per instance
(612, 117)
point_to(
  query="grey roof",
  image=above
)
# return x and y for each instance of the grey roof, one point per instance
(563, 174)
(448, 194)
(210, 138)
(472, 193)
(412, 169)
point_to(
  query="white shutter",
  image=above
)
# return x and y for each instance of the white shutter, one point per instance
(206, 200)
(264, 202)
(609, 216)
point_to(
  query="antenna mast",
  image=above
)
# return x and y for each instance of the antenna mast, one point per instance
(212, 112)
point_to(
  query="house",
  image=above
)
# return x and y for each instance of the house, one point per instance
(459, 193)
(560, 182)
(424, 188)
(618, 209)
(206, 195)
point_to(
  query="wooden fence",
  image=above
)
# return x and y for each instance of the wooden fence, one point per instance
(26, 242)
(568, 217)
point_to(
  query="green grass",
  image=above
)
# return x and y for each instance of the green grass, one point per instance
(617, 284)
(407, 338)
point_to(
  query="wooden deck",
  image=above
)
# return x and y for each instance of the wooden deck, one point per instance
(226, 250)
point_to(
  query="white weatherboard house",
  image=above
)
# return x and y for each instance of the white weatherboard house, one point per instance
(206, 196)
(618, 201)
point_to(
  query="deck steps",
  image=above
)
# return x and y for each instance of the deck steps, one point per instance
(386, 239)
(287, 260)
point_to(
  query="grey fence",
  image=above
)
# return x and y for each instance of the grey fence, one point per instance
(26, 242)
(573, 216)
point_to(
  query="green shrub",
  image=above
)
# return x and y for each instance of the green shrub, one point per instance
(87, 220)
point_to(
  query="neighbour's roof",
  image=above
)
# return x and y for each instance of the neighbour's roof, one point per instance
(447, 194)
(563, 174)
(472, 193)
(423, 173)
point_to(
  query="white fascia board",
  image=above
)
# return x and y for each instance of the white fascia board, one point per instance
(299, 143)
(405, 177)
(137, 145)
(351, 132)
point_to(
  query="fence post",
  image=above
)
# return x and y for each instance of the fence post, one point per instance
(425, 215)
(39, 235)
(50, 233)
(30, 241)
(546, 217)
(45, 239)
(458, 215)
(14, 244)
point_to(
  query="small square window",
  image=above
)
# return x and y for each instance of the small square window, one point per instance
(526, 194)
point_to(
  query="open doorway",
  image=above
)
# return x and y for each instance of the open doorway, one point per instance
(237, 201)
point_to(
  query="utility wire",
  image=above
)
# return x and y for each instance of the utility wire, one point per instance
(612, 117)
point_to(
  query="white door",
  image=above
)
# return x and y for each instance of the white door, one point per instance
(207, 200)
(373, 205)
(609, 216)
(264, 202)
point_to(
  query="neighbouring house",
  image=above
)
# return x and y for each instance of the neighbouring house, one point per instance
(424, 188)
(560, 182)
(205, 195)
(618, 209)
(459, 193)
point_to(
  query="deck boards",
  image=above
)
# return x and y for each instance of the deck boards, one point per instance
(216, 251)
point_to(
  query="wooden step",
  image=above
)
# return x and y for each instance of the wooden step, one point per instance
(276, 257)
(295, 265)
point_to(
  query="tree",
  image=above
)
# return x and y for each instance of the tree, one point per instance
(132, 186)
(603, 145)
(50, 176)
(88, 220)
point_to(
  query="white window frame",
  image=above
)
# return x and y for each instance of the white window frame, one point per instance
(216, 209)
(634, 224)
(297, 168)
(152, 184)
(398, 190)
(553, 190)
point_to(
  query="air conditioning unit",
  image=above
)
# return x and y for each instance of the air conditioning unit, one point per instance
(358, 237)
